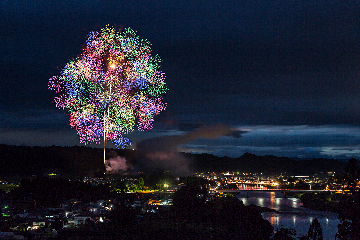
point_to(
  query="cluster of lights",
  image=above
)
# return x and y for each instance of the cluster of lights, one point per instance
(113, 84)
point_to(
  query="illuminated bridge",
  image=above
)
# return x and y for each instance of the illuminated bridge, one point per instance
(268, 190)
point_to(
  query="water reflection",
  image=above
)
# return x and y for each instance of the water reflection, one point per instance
(290, 213)
(274, 220)
(295, 203)
(272, 198)
(294, 219)
(261, 202)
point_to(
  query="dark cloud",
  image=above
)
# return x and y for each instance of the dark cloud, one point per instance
(289, 141)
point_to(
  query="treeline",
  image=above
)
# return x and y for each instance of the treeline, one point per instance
(73, 161)
(47, 192)
(83, 161)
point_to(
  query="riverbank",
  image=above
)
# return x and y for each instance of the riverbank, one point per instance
(290, 212)
(262, 209)
(326, 201)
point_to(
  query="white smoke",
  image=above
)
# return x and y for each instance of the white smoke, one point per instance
(116, 164)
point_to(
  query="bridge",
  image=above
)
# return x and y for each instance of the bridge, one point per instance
(268, 190)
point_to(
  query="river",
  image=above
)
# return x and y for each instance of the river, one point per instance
(291, 213)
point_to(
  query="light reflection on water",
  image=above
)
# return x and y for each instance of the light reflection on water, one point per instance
(291, 213)
(276, 203)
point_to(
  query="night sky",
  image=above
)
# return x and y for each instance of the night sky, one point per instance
(284, 74)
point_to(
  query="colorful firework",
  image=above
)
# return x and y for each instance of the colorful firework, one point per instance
(112, 85)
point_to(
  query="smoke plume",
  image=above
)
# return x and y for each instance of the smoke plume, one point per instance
(116, 164)
(161, 152)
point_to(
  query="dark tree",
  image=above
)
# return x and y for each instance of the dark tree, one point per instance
(192, 196)
(349, 210)
(121, 185)
(352, 174)
(156, 180)
(189, 199)
(349, 227)
(315, 231)
(223, 217)
(284, 234)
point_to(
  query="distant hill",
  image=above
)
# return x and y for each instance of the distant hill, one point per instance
(72, 161)
(266, 164)
(85, 161)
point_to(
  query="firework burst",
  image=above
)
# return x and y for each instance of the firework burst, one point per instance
(112, 86)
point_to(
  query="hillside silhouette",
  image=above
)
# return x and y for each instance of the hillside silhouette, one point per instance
(86, 161)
